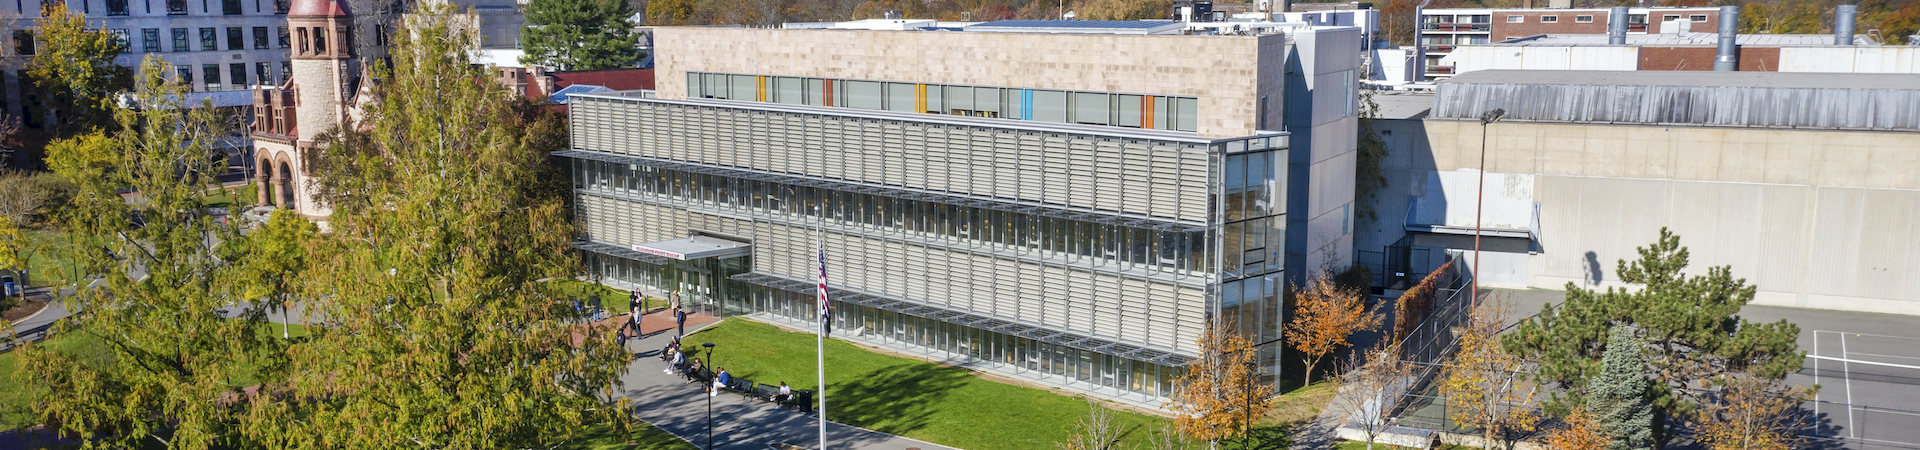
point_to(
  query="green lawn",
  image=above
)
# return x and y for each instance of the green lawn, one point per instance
(614, 300)
(14, 402)
(949, 406)
(48, 260)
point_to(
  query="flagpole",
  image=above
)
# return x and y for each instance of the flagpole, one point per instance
(820, 339)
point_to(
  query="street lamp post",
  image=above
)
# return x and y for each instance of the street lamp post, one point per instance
(1246, 433)
(1486, 118)
(710, 363)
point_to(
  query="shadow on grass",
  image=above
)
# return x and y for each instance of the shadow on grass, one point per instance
(898, 399)
(1271, 437)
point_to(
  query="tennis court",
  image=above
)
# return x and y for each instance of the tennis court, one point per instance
(1869, 388)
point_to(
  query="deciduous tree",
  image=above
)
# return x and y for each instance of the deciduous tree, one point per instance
(579, 35)
(1751, 413)
(11, 241)
(1398, 22)
(278, 261)
(1619, 400)
(1580, 432)
(73, 71)
(1122, 9)
(1325, 317)
(173, 353)
(1687, 321)
(1214, 396)
(1484, 385)
(1096, 431)
(669, 12)
(441, 334)
(1369, 385)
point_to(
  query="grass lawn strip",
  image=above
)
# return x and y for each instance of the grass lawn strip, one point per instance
(614, 300)
(944, 405)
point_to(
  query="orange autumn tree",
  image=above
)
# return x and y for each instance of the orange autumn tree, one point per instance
(1752, 413)
(1484, 386)
(1582, 432)
(1325, 316)
(1216, 392)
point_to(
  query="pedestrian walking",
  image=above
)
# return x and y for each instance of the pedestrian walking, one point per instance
(633, 305)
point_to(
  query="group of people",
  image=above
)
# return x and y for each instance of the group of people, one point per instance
(694, 369)
(637, 304)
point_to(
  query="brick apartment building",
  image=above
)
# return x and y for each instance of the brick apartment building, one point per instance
(1441, 30)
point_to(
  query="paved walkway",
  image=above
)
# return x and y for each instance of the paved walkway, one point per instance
(739, 423)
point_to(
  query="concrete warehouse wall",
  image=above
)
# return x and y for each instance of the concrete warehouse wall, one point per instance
(1813, 218)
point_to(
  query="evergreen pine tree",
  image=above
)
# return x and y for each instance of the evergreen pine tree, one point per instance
(1688, 322)
(579, 35)
(1619, 393)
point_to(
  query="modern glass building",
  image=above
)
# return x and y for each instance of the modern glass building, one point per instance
(1064, 230)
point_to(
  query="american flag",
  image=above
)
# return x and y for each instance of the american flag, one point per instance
(826, 308)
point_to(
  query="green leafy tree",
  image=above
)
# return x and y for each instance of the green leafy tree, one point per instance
(11, 242)
(1688, 323)
(1620, 393)
(440, 333)
(73, 71)
(172, 356)
(669, 12)
(279, 259)
(1370, 154)
(579, 35)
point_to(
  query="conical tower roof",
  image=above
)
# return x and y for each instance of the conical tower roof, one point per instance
(321, 8)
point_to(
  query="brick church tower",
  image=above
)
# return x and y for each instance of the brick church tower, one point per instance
(289, 118)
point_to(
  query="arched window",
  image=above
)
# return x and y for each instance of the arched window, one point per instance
(286, 186)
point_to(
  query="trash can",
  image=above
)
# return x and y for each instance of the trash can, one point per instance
(7, 287)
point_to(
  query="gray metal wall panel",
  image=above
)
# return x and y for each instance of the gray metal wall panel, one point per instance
(1081, 171)
(1097, 304)
(1753, 106)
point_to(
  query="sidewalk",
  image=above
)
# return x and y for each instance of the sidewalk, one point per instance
(739, 423)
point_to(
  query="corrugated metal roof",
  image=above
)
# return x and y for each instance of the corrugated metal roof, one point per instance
(1752, 99)
(1686, 39)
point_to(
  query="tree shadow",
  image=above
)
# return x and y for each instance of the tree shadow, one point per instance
(1595, 272)
(898, 399)
(1269, 437)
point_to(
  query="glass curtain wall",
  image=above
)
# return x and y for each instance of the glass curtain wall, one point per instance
(1177, 252)
(1014, 354)
(1252, 243)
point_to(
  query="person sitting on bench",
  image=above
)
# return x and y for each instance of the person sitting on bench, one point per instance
(720, 381)
(694, 368)
(785, 395)
(679, 359)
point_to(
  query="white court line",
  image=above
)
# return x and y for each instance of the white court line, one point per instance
(1876, 335)
(1816, 376)
(1916, 358)
(1847, 371)
(1817, 358)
